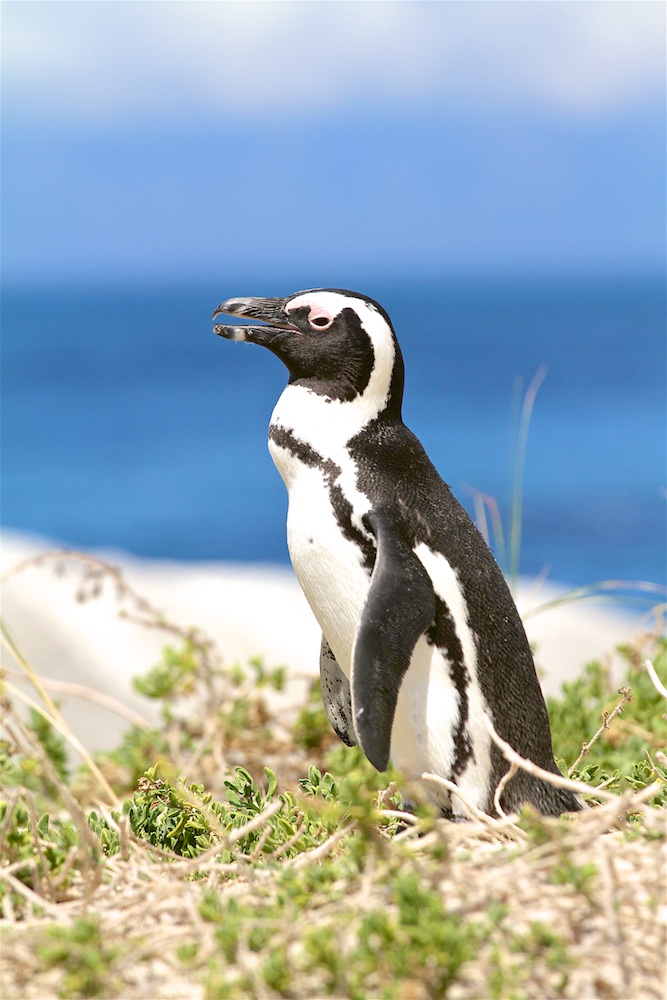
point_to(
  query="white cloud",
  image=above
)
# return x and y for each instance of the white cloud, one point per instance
(88, 61)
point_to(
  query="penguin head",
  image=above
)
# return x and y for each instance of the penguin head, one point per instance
(337, 343)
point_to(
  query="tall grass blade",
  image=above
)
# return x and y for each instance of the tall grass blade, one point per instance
(518, 474)
(603, 590)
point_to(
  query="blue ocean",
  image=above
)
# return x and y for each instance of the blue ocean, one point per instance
(127, 423)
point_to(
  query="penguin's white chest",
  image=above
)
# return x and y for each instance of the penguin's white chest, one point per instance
(328, 564)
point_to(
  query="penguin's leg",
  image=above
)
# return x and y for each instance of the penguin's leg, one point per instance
(399, 608)
(336, 696)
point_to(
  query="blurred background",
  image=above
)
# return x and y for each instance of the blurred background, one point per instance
(492, 173)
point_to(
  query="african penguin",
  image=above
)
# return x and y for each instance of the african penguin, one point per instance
(421, 636)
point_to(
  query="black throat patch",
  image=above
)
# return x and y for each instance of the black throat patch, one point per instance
(336, 363)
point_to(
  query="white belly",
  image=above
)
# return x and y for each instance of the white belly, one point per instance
(328, 566)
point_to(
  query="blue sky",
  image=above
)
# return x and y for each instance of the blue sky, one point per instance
(170, 140)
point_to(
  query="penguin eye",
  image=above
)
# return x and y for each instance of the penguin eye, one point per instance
(321, 322)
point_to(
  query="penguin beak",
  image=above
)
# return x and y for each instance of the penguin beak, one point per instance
(269, 311)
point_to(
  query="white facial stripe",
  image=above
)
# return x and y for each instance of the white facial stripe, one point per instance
(318, 317)
(330, 302)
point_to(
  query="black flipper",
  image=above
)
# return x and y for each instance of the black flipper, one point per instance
(399, 608)
(336, 696)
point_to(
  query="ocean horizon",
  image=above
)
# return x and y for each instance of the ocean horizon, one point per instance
(127, 424)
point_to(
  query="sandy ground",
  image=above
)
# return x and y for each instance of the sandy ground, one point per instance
(249, 610)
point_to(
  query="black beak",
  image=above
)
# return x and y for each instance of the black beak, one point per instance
(269, 311)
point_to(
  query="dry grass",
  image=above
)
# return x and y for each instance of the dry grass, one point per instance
(538, 908)
(610, 929)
